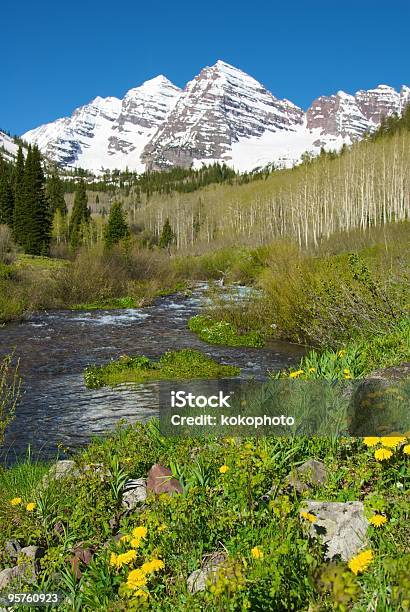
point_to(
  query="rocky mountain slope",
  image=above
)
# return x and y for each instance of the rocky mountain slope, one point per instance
(8, 148)
(223, 114)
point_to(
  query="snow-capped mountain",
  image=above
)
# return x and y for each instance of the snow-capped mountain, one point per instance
(223, 114)
(8, 148)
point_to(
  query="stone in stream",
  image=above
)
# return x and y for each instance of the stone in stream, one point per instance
(134, 493)
(340, 526)
(160, 480)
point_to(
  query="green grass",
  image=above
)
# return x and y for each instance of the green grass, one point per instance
(123, 302)
(222, 332)
(173, 365)
(216, 512)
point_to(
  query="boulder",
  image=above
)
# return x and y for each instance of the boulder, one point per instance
(6, 577)
(160, 480)
(61, 469)
(31, 552)
(134, 493)
(340, 526)
(199, 578)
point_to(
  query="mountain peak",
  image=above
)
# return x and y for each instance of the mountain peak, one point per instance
(157, 82)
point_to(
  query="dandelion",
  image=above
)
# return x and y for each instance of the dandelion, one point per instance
(371, 441)
(136, 579)
(223, 469)
(125, 538)
(257, 553)
(296, 373)
(360, 562)
(392, 441)
(311, 370)
(341, 353)
(382, 453)
(406, 449)
(149, 567)
(16, 501)
(123, 559)
(377, 520)
(30, 507)
(308, 516)
(139, 532)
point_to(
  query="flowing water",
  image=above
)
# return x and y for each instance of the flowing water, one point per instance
(56, 410)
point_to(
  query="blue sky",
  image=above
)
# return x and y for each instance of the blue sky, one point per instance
(56, 55)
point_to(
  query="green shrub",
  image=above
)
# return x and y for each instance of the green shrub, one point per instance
(222, 332)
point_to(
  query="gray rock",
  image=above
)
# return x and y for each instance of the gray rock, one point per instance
(12, 548)
(340, 526)
(31, 552)
(134, 493)
(61, 469)
(6, 577)
(311, 473)
(199, 578)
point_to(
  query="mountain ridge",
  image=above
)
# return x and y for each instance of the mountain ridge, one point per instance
(222, 114)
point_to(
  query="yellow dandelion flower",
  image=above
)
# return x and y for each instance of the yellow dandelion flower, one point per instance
(136, 579)
(257, 553)
(360, 562)
(152, 566)
(382, 453)
(135, 542)
(406, 449)
(392, 441)
(113, 560)
(139, 532)
(311, 370)
(16, 501)
(296, 374)
(377, 520)
(371, 441)
(341, 353)
(308, 516)
(223, 469)
(30, 507)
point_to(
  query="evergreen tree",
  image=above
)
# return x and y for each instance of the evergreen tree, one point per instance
(55, 194)
(80, 215)
(117, 227)
(37, 230)
(19, 220)
(6, 195)
(167, 236)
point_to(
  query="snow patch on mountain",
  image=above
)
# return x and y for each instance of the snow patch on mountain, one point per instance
(8, 147)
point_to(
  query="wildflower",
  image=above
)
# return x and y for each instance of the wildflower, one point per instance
(311, 370)
(360, 562)
(30, 507)
(308, 516)
(296, 374)
(16, 501)
(123, 559)
(341, 353)
(136, 579)
(382, 453)
(223, 469)
(392, 441)
(406, 449)
(139, 532)
(377, 520)
(152, 566)
(257, 553)
(371, 441)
